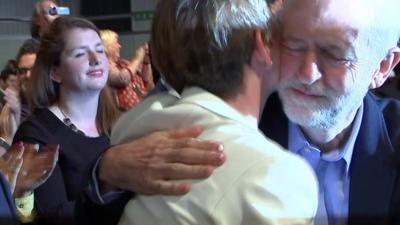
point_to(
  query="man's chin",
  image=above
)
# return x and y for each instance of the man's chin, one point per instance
(306, 117)
(301, 120)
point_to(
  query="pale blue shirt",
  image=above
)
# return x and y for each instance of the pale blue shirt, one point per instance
(332, 170)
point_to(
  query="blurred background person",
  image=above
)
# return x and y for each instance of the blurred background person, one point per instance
(41, 18)
(22, 169)
(7, 206)
(71, 108)
(10, 104)
(9, 76)
(9, 119)
(131, 80)
(26, 57)
(17, 109)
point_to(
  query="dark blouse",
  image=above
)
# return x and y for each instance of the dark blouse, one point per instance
(54, 200)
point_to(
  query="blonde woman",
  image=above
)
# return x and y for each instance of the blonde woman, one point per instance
(131, 79)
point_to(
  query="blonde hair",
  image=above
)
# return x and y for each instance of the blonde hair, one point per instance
(108, 36)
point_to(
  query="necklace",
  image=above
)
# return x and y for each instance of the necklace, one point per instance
(67, 121)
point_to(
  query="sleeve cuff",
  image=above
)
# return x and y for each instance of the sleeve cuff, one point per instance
(93, 191)
(24, 206)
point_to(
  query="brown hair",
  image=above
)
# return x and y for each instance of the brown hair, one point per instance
(9, 68)
(204, 44)
(30, 46)
(44, 92)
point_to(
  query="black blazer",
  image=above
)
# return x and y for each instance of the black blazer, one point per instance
(7, 208)
(375, 164)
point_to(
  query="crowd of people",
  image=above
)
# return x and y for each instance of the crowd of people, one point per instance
(265, 113)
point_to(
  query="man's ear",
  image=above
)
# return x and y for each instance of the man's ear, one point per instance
(386, 66)
(260, 57)
(54, 75)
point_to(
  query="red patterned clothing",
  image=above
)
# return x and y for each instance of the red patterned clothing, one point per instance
(134, 92)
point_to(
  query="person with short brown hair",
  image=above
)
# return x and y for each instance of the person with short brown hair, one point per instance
(216, 56)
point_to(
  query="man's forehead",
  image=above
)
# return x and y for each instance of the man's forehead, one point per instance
(355, 13)
(341, 18)
(26, 59)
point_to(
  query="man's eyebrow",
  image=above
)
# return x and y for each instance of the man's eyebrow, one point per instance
(292, 38)
(346, 48)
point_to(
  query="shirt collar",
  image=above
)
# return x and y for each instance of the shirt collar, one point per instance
(163, 85)
(200, 97)
(297, 141)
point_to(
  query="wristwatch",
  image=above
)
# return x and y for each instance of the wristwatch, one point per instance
(4, 144)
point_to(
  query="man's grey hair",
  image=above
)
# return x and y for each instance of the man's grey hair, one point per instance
(385, 28)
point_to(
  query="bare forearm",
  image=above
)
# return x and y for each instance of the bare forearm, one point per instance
(118, 78)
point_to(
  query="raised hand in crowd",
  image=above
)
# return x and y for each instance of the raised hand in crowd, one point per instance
(138, 57)
(11, 163)
(25, 168)
(36, 168)
(146, 71)
(12, 99)
(10, 117)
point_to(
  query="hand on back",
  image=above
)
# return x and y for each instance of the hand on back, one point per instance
(159, 163)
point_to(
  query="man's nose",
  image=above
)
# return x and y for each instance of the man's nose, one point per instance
(309, 70)
(28, 74)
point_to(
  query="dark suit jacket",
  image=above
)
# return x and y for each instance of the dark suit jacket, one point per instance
(7, 209)
(374, 169)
